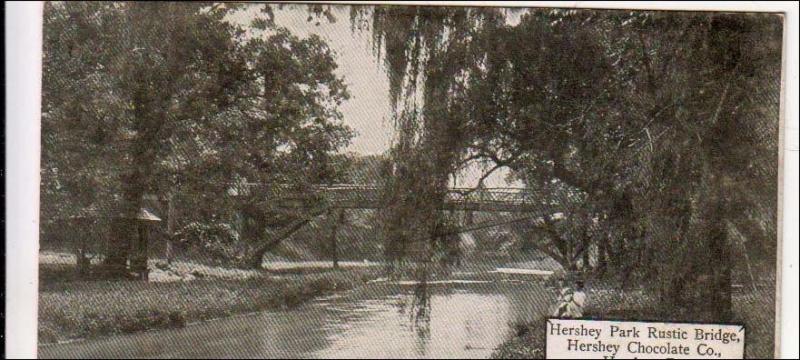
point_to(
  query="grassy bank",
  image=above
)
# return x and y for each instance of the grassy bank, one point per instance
(753, 307)
(86, 309)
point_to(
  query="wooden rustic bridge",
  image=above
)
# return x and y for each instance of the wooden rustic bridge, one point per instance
(336, 199)
(488, 200)
(348, 196)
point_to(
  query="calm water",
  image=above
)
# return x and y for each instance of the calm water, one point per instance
(465, 321)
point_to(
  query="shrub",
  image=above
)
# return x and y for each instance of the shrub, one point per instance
(219, 241)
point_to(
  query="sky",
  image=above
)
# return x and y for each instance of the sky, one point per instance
(368, 111)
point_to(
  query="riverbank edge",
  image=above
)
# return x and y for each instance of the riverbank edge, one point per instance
(528, 339)
(133, 307)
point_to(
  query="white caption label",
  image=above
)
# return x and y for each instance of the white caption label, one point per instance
(594, 339)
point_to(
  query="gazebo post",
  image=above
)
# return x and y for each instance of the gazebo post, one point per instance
(139, 259)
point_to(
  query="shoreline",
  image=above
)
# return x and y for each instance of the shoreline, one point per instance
(78, 315)
(527, 340)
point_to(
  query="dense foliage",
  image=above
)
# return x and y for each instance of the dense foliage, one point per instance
(175, 99)
(662, 125)
(656, 132)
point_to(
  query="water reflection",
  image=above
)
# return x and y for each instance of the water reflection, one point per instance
(458, 324)
(421, 310)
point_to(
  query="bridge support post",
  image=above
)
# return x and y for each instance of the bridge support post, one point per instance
(170, 227)
(337, 220)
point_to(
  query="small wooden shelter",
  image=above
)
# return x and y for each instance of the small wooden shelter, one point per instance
(94, 216)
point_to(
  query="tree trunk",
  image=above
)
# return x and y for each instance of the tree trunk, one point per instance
(82, 261)
(585, 250)
(699, 288)
(139, 257)
(336, 220)
(602, 256)
(170, 227)
(720, 269)
(270, 243)
(124, 231)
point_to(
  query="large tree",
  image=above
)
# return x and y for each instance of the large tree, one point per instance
(639, 113)
(142, 97)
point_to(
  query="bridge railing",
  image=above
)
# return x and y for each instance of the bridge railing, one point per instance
(490, 199)
(356, 196)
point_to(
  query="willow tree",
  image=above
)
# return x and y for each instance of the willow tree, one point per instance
(468, 86)
(706, 170)
(632, 110)
(428, 55)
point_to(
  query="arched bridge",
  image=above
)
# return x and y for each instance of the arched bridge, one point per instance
(338, 198)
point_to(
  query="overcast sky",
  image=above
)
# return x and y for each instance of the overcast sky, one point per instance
(368, 111)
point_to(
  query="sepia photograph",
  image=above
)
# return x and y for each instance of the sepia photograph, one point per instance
(314, 180)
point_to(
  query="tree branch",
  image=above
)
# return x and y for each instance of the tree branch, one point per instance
(499, 163)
